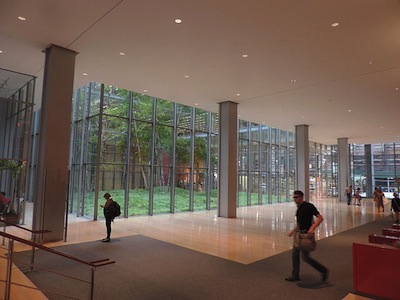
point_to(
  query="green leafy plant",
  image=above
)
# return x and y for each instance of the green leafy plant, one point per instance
(12, 165)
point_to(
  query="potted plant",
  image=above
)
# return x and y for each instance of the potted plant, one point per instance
(10, 216)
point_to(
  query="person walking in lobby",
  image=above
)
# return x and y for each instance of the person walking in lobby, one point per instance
(378, 198)
(348, 193)
(305, 222)
(396, 207)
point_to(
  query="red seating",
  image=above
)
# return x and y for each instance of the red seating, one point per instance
(375, 270)
(391, 231)
(395, 226)
(383, 239)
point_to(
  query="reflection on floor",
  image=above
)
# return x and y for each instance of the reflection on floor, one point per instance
(257, 232)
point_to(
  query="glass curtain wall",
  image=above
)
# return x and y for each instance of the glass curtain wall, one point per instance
(16, 110)
(266, 164)
(380, 165)
(153, 155)
(323, 170)
(156, 156)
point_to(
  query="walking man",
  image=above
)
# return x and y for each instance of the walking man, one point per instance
(305, 222)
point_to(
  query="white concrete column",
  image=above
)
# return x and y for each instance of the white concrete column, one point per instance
(343, 168)
(302, 160)
(54, 136)
(227, 172)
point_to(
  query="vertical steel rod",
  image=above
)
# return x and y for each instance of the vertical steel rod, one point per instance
(92, 284)
(33, 253)
(4, 229)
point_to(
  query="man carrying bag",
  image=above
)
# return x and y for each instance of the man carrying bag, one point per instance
(305, 223)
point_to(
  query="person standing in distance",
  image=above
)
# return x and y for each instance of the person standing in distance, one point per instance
(396, 207)
(107, 215)
(349, 191)
(305, 221)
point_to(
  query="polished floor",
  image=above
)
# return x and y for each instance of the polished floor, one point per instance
(257, 232)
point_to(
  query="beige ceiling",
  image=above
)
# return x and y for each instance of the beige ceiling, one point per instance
(299, 69)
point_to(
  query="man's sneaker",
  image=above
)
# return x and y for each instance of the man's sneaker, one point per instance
(324, 276)
(106, 240)
(292, 278)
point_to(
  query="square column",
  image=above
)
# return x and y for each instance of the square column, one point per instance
(344, 179)
(302, 182)
(227, 169)
(53, 149)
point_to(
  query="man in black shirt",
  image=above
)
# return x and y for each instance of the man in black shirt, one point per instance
(396, 207)
(305, 222)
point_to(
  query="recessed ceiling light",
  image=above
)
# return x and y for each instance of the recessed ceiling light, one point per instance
(245, 55)
(371, 62)
(238, 94)
(178, 21)
(145, 91)
(293, 81)
(335, 24)
(263, 122)
(302, 117)
(1, 51)
(186, 76)
(397, 89)
(349, 110)
(122, 53)
(279, 108)
(196, 104)
(22, 18)
(84, 74)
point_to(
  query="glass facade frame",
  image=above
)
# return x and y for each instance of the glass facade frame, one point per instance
(156, 156)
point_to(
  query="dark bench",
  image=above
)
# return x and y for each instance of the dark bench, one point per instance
(383, 239)
(391, 232)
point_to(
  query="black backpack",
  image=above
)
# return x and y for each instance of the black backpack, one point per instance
(114, 210)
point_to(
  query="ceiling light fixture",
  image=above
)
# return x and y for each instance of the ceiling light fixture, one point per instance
(397, 89)
(349, 110)
(122, 53)
(238, 94)
(245, 55)
(84, 74)
(145, 91)
(335, 24)
(371, 62)
(186, 76)
(178, 21)
(196, 104)
(293, 81)
(1, 51)
(21, 18)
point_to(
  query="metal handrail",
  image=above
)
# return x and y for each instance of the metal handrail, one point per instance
(34, 234)
(92, 264)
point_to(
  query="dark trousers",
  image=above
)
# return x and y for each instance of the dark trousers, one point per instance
(306, 257)
(348, 198)
(108, 226)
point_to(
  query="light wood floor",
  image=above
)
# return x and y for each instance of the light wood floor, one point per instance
(257, 232)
